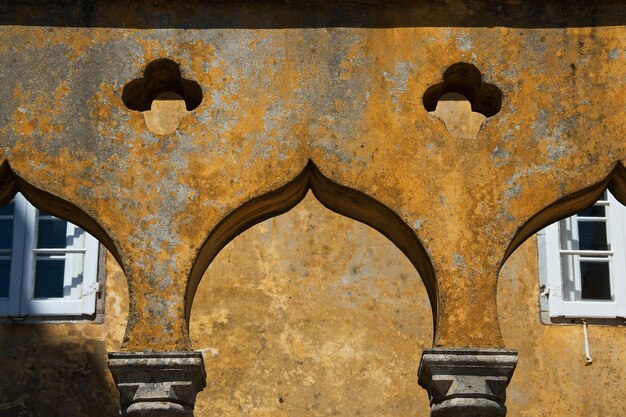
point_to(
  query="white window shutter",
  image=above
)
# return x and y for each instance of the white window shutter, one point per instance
(553, 270)
(27, 283)
(17, 255)
(90, 287)
(618, 243)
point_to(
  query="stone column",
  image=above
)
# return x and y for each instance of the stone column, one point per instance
(467, 382)
(158, 384)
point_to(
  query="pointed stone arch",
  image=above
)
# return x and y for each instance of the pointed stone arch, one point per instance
(345, 201)
(11, 183)
(571, 204)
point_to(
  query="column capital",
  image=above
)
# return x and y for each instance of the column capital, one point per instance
(158, 384)
(467, 382)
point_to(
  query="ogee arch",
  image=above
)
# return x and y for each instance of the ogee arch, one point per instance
(340, 199)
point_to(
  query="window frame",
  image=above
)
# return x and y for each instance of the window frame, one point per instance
(551, 268)
(20, 302)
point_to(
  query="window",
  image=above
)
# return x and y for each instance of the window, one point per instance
(48, 266)
(583, 262)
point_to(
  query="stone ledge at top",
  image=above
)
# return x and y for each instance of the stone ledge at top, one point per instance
(276, 14)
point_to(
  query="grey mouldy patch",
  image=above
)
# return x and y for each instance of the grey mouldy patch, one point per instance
(399, 80)
(557, 151)
(540, 125)
(513, 191)
(499, 156)
(459, 261)
(322, 92)
(400, 77)
(464, 43)
(613, 53)
(103, 65)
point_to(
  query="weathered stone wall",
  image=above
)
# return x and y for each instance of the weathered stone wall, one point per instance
(345, 94)
(325, 97)
(327, 315)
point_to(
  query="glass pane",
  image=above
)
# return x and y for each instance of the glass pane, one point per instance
(7, 210)
(592, 236)
(594, 211)
(596, 280)
(52, 233)
(6, 233)
(5, 274)
(49, 278)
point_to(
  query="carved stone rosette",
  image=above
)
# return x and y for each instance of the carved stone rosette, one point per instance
(161, 384)
(467, 382)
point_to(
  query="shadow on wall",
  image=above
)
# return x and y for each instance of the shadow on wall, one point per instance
(60, 369)
(312, 14)
(47, 373)
(311, 313)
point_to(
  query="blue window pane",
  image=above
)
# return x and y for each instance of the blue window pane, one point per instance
(6, 233)
(7, 210)
(593, 211)
(52, 233)
(49, 278)
(592, 236)
(5, 272)
(596, 281)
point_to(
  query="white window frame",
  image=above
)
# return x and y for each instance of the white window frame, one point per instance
(81, 258)
(551, 267)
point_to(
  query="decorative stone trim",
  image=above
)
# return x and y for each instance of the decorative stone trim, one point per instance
(467, 382)
(161, 384)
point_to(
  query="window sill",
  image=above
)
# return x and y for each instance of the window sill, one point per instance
(84, 319)
(577, 321)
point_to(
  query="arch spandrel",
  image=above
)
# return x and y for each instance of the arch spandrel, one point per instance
(570, 204)
(11, 183)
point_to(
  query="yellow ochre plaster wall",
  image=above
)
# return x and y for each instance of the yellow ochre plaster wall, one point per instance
(311, 313)
(346, 98)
